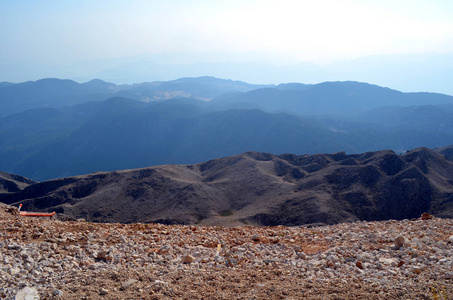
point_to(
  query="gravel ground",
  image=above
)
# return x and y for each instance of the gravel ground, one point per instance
(52, 259)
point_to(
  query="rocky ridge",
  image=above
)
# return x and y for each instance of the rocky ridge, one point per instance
(52, 259)
(255, 189)
(10, 183)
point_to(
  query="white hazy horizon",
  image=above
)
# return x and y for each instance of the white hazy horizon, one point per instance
(406, 45)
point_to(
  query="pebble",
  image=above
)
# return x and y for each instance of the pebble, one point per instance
(164, 250)
(103, 292)
(255, 238)
(58, 293)
(125, 285)
(359, 265)
(27, 293)
(426, 216)
(188, 259)
(388, 261)
(399, 242)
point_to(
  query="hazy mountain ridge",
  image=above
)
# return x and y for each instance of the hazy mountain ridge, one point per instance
(121, 133)
(347, 97)
(49, 92)
(399, 71)
(330, 98)
(257, 188)
(57, 93)
(127, 133)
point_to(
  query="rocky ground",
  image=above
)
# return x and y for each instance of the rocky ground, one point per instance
(52, 259)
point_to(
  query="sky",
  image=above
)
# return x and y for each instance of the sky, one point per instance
(54, 38)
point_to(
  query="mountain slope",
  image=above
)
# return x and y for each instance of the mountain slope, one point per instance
(432, 118)
(328, 98)
(203, 88)
(50, 92)
(257, 188)
(122, 133)
(10, 183)
(447, 152)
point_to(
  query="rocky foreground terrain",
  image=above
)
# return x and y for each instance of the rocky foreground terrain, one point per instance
(53, 259)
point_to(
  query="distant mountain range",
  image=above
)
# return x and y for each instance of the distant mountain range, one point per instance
(253, 189)
(56, 93)
(55, 128)
(428, 72)
(329, 98)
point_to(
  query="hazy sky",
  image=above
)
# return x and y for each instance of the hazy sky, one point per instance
(53, 33)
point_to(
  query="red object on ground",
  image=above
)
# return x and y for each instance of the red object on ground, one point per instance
(35, 214)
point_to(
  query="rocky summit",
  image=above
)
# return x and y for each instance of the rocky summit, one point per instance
(53, 259)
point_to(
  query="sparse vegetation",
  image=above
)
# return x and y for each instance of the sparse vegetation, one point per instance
(226, 213)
